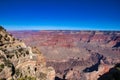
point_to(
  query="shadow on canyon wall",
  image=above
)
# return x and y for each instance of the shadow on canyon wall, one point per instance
(57, 78)
(95, 66)
(113, 74)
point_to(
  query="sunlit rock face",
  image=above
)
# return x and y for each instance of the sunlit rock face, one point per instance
(20, 62)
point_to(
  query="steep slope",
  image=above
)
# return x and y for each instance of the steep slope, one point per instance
(20, 62)
(112, 74)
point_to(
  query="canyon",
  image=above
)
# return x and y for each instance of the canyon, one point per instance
(75, 54)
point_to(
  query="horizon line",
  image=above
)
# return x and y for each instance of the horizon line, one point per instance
(82, 28)
(62, 30)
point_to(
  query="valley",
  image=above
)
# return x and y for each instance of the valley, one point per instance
(69, 52)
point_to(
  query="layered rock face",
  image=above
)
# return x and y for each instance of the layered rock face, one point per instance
(20, 62)
(67, 38)
(76, 55)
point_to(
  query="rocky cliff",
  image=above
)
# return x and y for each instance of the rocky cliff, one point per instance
(20, 62)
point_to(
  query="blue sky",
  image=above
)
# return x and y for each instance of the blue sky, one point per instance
(60, 14)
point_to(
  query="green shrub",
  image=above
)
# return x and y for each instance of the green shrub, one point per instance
(1, 70)
(3, 79)
(1, 28)
(43, 76)
(27, 78)
(8, 63)
(1, 66)
(17, 72)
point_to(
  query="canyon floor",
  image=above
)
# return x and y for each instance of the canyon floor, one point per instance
(74, 54)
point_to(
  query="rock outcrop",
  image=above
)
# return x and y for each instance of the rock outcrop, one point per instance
(20, 62)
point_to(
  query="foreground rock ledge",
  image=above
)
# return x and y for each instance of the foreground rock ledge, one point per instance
(20, 62)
